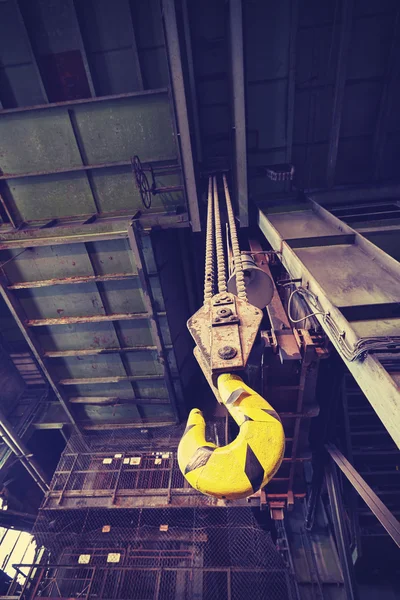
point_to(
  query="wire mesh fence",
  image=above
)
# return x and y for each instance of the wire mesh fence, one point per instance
(119, 464)
(113, 552)
(184, 553)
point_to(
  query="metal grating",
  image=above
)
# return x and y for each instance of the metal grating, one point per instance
(156, 554)
(128, 468)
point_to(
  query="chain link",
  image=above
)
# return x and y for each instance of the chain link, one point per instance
(237, 257)
(209, 268)
(222, 287)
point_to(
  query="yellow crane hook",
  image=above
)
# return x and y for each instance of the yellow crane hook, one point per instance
(249, 461)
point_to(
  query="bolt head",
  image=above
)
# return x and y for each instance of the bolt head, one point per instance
(227, 352)
(224, 312)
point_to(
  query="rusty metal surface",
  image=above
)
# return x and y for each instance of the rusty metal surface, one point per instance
(212, 332)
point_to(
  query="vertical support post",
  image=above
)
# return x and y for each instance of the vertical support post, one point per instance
(114, 496)
(340, 81)
(31, 52)
(83, 52)
(60, 499)
(192, 79)
(339, 525)
(386, 101)
(171, 470)
(294, 10)
(239, 109)
(139, 262)
(182, 117)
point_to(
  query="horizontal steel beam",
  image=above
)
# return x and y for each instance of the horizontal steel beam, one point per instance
(382, 513)
(68, 103)
(89, 319)
(107, 400)
(13, 242)
(111, 379)
(79, 279)
(156, 164)
(96, 228)
(139, 425)
(96, 351)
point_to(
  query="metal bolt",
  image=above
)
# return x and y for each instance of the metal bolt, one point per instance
(227, 352)
(224, 312)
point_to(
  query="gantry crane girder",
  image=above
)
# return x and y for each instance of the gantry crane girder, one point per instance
(353, 288)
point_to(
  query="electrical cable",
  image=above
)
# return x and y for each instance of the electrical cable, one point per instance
(351, 353)
(298, 291)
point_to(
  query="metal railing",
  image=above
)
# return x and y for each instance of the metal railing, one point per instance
(155, 583)
(112, 474)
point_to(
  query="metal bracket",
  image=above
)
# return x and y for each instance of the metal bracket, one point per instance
(224, 330)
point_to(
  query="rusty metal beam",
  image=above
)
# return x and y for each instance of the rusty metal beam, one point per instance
(27, 285)
(382, 513)
(131, 425)
(107, 400)
(89, 319)
(138, 262)
(110, 379)
(340, 82)
(96, 351)
(20, 319)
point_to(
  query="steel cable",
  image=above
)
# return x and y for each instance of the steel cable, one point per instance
(209, 266)
(222, 286)
(237, 257)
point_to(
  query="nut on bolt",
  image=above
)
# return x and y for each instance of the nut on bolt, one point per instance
(227, 352)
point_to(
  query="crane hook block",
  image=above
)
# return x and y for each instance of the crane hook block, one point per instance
(245, 465)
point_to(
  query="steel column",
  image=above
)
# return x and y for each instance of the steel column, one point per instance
(339, 525)
(382, 513)
(182, 117)
(239, 109)
(386, 101)
(291, 85)
(18, 447)
(341, 68)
